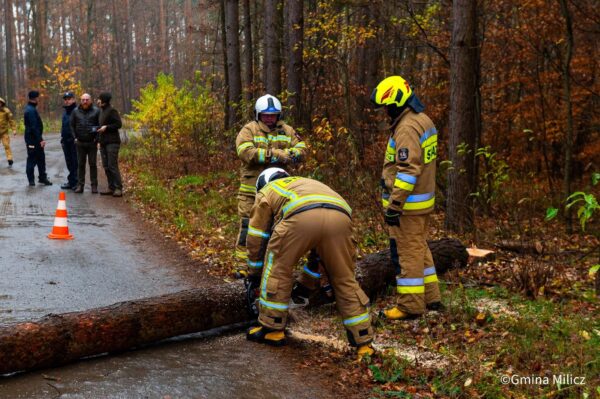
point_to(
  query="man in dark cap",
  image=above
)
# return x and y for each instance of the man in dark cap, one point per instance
(67, 140)
(34, 141)
(110, 143)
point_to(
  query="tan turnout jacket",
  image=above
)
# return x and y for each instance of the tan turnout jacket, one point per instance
(260, 148)
(408, 178)
(281, 199)
(6, 121)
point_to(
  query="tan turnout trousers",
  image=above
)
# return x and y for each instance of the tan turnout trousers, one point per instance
(416, 279)
(329, 231)
(6, 144)
(245, 203)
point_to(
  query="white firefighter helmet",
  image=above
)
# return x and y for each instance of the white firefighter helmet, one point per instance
(269, 175)
(267, 104)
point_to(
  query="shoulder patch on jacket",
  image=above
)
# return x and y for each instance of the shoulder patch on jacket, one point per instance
(403, 154)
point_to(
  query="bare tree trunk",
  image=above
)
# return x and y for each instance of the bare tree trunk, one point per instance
(272, 53)
(368, 60)
(10, 60)
(566, 81)
(248, 52)
(118, 53)
(19, 45)
(3, 76)
(188, 51)
(258, 50)
(39, 32)
(163, 36)
(87, 50)
(295, 66)
(225, 63)
(463, 116)
(233, 59)
(130, 64)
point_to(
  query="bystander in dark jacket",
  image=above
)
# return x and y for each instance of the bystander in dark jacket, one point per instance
(67, 141)
(84, 125)
(34, 129)
(110, 143)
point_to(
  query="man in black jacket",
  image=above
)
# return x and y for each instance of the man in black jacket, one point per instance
(110, 142)
(34, 141)
(84, 125)
(68, 141)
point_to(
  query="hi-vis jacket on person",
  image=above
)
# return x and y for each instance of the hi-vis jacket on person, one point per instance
(290, 217)
(6, 120)
(260, 147)
(280, 200)
(408, 178)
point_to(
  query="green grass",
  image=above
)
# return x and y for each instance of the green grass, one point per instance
(543, 337)
(193, 202)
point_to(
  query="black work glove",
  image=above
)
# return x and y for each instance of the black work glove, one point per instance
(294, 156)
(254, 279)
(392, 217)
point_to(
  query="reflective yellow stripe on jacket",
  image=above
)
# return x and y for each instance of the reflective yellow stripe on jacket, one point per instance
(243, 146)
(296, 201)
(246, 188)
(315, 199)
(405, 182)
(419, 201)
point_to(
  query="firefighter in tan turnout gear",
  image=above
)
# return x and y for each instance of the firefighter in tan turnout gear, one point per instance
(7, 121)
(408, 183)
(267, 141)
(291, 216)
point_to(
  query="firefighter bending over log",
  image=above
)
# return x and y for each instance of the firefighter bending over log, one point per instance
(292, 216)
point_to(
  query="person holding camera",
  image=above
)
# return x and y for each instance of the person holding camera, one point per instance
(84, 126)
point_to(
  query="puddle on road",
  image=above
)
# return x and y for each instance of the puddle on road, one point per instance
(224, 367)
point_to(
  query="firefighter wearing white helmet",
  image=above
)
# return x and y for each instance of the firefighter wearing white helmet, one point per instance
(292, 216)
(408, 184)
(265, 142)
(7, 121)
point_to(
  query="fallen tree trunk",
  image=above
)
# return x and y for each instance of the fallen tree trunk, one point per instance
(521, 247)
(58, 339)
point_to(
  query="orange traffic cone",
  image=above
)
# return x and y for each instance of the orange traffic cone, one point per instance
(60, 230)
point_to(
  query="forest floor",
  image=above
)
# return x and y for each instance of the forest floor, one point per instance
(519, 325)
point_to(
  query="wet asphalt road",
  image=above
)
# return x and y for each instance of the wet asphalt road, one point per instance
(112, 259)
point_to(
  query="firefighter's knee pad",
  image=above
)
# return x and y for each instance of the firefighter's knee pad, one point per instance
(271, 318)
(359, 335)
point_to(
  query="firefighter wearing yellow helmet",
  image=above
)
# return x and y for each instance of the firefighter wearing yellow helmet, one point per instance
(265, 142)
(408, 197)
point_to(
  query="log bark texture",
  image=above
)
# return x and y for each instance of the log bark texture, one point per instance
(58, 339)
